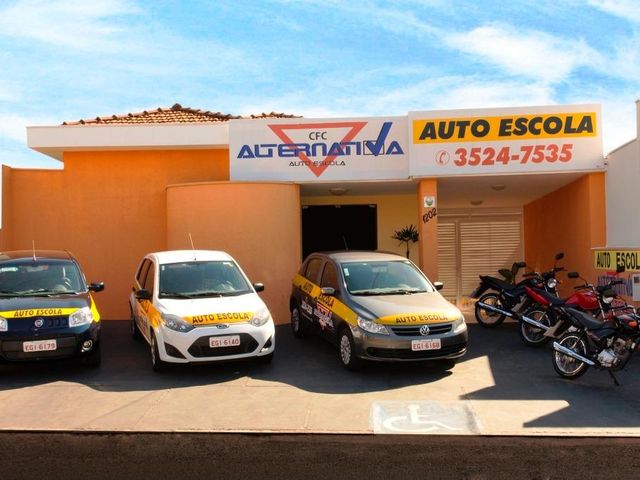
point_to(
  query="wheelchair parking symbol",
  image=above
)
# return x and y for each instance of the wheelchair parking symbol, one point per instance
(423, 417)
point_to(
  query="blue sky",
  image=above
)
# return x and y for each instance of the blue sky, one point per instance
(71, 59)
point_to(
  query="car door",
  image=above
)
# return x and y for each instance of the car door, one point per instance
(324, 313)
(308, 290)
(143, 306)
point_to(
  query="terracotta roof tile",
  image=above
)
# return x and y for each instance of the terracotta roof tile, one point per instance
(174, 114)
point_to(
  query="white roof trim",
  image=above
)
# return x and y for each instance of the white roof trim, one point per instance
(54, 140)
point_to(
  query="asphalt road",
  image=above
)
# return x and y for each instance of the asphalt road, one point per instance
(240, 456)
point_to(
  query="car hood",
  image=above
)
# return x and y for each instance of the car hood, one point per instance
(417, 308)
(214, 309)
(16, 307)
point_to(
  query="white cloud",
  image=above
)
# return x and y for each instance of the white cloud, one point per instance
(532, 54)
(76, 24)
(628, 9)
(13, 127)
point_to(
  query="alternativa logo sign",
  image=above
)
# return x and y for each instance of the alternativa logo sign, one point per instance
(321, 152)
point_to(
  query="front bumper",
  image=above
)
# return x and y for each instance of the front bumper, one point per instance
(68, 342)
(193, 346)
(397, 348)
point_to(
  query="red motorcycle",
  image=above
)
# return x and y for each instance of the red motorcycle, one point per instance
(547, 319)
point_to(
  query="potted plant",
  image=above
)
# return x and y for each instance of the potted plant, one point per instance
(406, 235)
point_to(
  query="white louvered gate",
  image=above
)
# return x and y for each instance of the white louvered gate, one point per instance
(468, 247)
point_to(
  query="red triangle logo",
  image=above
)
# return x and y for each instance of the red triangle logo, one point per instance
(354, 129)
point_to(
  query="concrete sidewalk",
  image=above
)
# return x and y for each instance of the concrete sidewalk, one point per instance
(501, 387)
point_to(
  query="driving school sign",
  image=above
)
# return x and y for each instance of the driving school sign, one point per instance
(309, 150)
(506, 140)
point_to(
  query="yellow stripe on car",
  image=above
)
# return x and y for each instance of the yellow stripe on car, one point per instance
(417, 318)
(330, 302)
(213, 318)
(38, 312)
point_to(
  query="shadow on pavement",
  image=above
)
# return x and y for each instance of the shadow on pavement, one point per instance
(310, 364)
(522, 373)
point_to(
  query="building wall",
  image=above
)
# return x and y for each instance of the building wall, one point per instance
(571, 220)
(108, 208)
(623, 196)
(259, 224)
(394, 212)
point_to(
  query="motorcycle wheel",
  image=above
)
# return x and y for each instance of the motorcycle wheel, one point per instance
(566, 366)
(530, 335)
(486, 318)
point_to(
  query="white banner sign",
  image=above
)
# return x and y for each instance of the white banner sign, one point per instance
(311, 150)
(506, 140)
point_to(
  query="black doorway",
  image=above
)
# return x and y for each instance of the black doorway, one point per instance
(339, 227)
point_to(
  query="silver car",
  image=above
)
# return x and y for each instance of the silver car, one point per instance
(375, 306)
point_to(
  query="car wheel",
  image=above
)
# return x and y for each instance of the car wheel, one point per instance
(135, 332)
(157, 363)
(94, 358)
(298, 326)
(347, 350)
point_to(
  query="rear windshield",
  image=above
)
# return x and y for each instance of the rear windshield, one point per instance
(201, 279)
(384, 278)
(42, 277)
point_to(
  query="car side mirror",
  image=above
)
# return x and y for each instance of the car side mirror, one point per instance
(143, 294)
(96, 287)
(438, 285)
(259, 287)
(573, 275)
(559, 256)
(329, 291)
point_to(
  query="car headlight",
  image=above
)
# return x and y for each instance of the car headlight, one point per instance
(176, 323)
(261, 317)
(459, 325)
(4, 324)
(371, 326)
(552, 283)
(81, 317)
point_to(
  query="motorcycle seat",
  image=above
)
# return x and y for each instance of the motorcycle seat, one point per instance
(585, 319)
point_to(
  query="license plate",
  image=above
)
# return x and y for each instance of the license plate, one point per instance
(228, 341)
(432, 344)
(39, 346)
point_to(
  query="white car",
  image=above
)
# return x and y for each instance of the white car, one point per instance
(199, 306)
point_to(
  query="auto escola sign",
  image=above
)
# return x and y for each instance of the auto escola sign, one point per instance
(310, 150)
(506, 140)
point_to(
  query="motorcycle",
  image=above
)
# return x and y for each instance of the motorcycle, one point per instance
(603, 344)
(508, 299)
(547, 318)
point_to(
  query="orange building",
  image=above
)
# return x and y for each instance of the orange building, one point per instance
(270, 188)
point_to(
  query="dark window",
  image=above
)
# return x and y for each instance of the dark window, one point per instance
(202, 279)
(330, 277)
(313, 269)
(142, 271)
(28, 277)
(148, 281)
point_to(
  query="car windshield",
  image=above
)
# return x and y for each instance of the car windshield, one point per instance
(384, 278)
(40, 278)
(201, 279)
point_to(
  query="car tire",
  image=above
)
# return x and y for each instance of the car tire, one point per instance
(347, 350)
(94, 358)
(298, 325)
(135, 331)
(157, 363)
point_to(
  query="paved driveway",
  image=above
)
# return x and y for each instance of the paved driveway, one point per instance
(501, 387)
